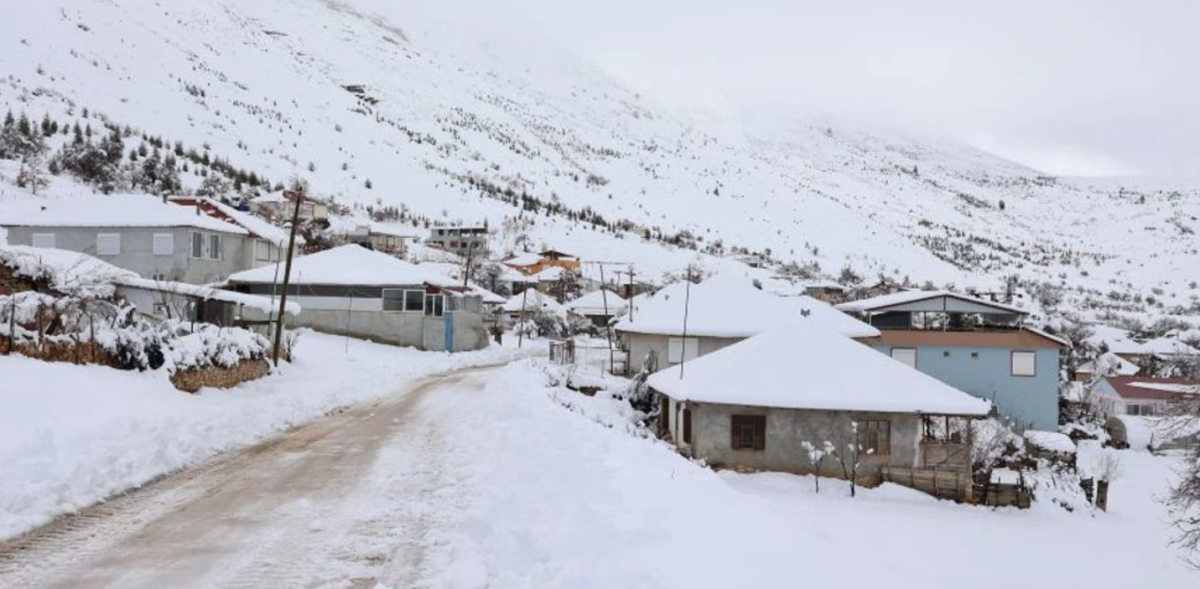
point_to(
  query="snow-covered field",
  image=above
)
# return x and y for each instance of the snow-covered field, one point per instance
(562, 501)
(73, 435)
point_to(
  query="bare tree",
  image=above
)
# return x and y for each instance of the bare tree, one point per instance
(1184, 501)
(816, 457)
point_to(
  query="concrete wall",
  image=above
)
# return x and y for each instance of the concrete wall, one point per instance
(639, 344)
(137, 251)
(787, 430)
(365, 319)
(1031, 400)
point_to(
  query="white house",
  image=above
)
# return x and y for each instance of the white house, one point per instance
(363, 293)
(599, 306)
(756, 403)
(680, 323)
(529, 302)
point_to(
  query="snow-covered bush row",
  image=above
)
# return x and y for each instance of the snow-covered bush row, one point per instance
(63, 271)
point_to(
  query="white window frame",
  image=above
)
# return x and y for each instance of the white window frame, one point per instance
(404, 294)
(682, 349)
(216, 242)
(163, 244)
(903, 356)
(433, 305)
(108, 244)
(42, 240)
(259, 247)
(192, 253)
(1027, 366)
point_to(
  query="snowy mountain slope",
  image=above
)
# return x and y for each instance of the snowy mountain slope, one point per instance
(435, 118)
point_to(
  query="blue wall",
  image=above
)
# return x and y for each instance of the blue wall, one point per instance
(1032, 400)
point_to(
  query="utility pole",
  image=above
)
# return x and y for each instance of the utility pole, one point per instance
(521, 325)
(687, 300)
(287, 273)
(612, 359)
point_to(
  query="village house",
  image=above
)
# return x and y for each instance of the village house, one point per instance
(140, 233)
(1139, 395)
(380, 238)
(756, 404)
(529, 302)
(351, 290)
(598, 306)
(279, 207)
(720, 311)
(463, 241)
(531, 264)
(974, 345)
(267, 243)
(1107, 364)
(202, 304)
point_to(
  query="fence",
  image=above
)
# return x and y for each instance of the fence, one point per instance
(955, 485)
(587, 357)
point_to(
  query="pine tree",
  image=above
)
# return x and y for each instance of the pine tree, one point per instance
(47, 129)
(23, 126)
(9, 120)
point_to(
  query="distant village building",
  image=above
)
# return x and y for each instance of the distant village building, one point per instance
(1140, 395)
(720, 311)
(460, 240)
(532, 264)
(1108, 364)
(351, 290)
(279, 208)
(140, 233)
(756, 404)
(974, 345)
(599, 306)
(380, 238)
(529, 302)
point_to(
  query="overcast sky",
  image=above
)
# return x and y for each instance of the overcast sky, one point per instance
(1094, 87)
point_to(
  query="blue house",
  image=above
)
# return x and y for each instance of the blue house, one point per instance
(976, 346)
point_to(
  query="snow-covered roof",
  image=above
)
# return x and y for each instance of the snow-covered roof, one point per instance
(593, 303)
(800, 366)
(256, 225)
(729, 306)
(1052, 441)
(1047, 335)
(1117, 340)
(419, 252)
(68, 272)
(531, 299)
(888, 302)
(549, 274)
(132, 210)
(348, 265)
(261, 303)
(1109, 363)
(525, 259)
(1166, 346)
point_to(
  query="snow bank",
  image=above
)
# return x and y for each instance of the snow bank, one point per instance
(73, 435)
(1052, 441)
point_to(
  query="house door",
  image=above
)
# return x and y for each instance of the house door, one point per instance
(687, 426)
(664, 415)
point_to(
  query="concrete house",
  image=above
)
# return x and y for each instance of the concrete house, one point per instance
(531, 264)
(278, 207)
(460, 240)
(974, 345)
(529, 302)
(380, 238)
(267, 243)
(598, 306)
(139, 233)
(754, 404)
(351, 290)
(1140, 395)
(720, 311)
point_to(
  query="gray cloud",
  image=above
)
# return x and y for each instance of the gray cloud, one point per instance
(1089, 87)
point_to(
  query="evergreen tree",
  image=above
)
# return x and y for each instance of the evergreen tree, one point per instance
(47, 128)
(9, 120)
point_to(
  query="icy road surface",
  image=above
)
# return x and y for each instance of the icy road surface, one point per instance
(340, 502)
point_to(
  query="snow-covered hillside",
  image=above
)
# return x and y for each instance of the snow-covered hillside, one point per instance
(379, 109)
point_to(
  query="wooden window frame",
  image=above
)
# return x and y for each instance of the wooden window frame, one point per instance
(873, 434)
(757, 426)
(1012, 363)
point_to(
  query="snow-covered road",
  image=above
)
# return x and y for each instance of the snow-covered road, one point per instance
(340, 502)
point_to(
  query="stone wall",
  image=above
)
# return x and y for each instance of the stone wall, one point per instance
(220, 377)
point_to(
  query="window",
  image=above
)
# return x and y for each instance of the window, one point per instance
(197, 245)
(262, 250)
(945, 353)
(974, 355)
(42, 240)
(687, 426)
(875, 437)
(907, 356)
(214, 246)
(434, 305)
(1024, 363)
(108, 244)
(398, 299)
(1133, 410)
(163, 244)
(680, 349)
(749, 432)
